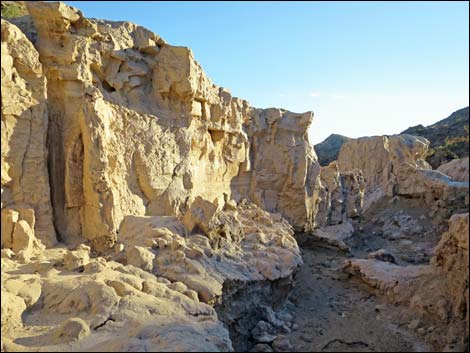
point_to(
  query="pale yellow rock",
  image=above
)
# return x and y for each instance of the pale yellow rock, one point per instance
(185, 137)
(140, 257)
(9, 219)
(77, 258)
(395, 165)
(124, 304)
(23, 237)
(12, 308)
(27, 214)
(178, 186)
(24, 128)
(200, 216)
(194, 260)
(71, 329)
(29, 290)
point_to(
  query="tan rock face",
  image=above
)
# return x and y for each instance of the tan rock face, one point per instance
(451, 257)
(112, 82)
(103, 306)
(395, 165)
(457, 169)
(380, 158)
(156, 244)
(152, 165)
(182, 188)
(25, 181)
(283, 170)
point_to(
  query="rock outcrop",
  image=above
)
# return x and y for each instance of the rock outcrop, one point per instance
(115, 143)
(110, 82)
(25, 182)
(103, 305)
(457, 169)
(145, 208)
(437, 292)
(395, 165)
(380, 158)
(340, 196)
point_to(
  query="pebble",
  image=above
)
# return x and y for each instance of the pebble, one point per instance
(414, 324)
(422, 331)
(282, 344)
(285, 316)
(261, 348)
(379, 308)
(265, 338)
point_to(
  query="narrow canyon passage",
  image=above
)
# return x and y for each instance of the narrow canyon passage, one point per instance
(335, 312)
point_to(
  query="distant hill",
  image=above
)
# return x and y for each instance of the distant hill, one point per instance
(327, 151)
(449, 137)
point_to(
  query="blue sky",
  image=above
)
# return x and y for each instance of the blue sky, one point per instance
(364, 68)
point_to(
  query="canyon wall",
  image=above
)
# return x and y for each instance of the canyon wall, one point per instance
(396, 166)
(137, 128)
(25, 184)
(158, 187)
(165, 195)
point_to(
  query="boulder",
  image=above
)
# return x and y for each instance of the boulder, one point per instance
(457, 169)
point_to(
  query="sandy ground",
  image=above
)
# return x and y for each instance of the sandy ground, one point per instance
(336, 312)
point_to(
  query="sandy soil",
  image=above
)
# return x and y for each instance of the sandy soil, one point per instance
(336, 312)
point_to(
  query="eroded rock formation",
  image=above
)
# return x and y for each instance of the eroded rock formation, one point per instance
(145, 208)
(437, 292)
(396, 165)
(25, 184)
(110, 82)
(457, 169)
(121, 141)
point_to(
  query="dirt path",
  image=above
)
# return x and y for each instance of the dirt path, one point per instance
(336, 312)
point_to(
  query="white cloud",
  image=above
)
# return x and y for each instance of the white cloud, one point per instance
(314, 94)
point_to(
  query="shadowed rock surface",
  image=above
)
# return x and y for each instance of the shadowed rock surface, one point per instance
(328, 150)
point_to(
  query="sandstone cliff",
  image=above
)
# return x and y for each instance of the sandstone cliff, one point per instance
(110, 82)
(121, 141)
(145, 208)
(25, 184)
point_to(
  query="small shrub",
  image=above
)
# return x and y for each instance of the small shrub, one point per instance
(12, 11)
